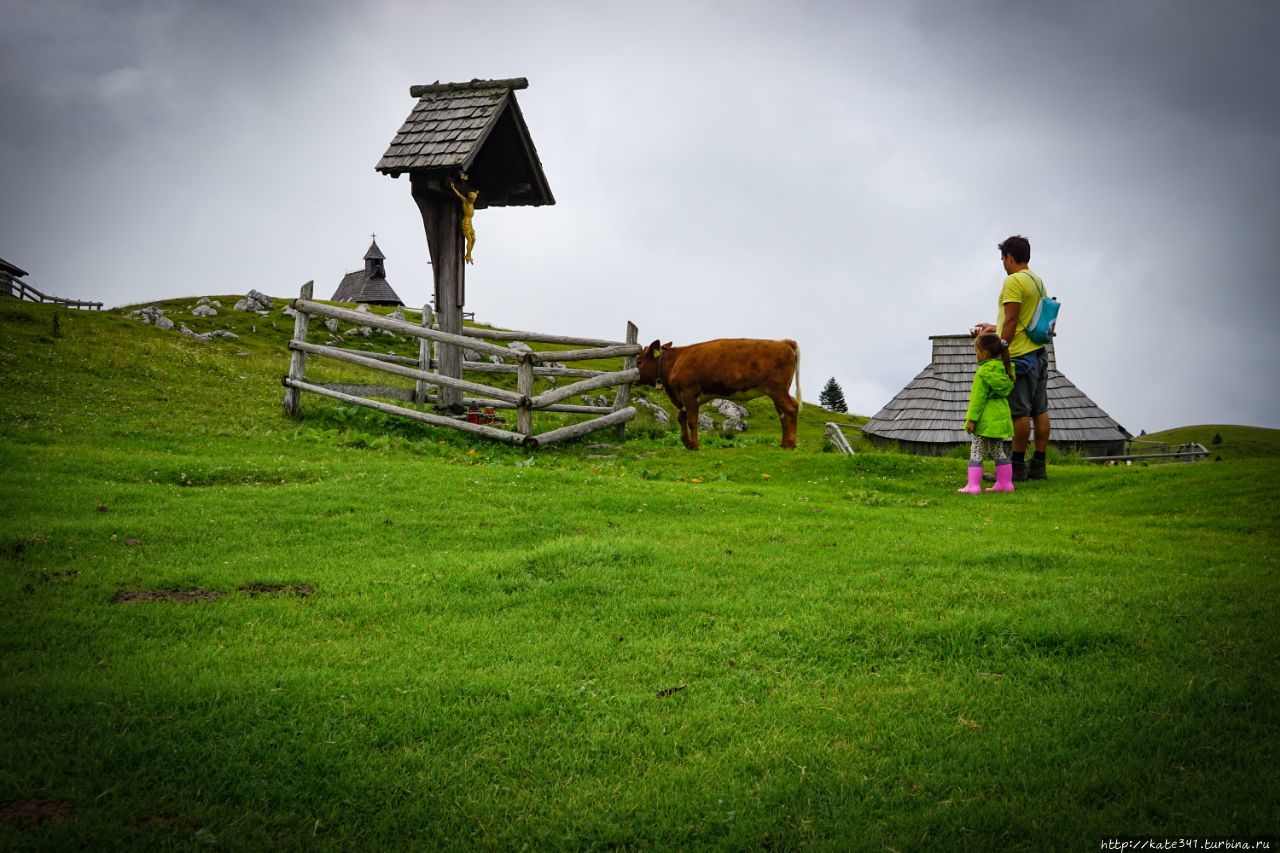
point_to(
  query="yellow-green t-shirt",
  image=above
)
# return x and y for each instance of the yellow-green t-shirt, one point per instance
(1023, 287)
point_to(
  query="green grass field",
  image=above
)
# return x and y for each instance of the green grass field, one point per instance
(409, 639)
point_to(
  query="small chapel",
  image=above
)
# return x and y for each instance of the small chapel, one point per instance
(369, 285)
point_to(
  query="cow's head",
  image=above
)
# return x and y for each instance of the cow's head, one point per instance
(647, 364)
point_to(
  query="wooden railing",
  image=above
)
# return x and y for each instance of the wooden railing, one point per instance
(1191, 451)
(424, 372)
(19, 289)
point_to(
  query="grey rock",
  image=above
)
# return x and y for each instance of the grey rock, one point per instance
(470, 355)
(496, 359)
(732, 424)
(728, 409)
(397, 314)
(254, 301)
(163, 322)
(659, 414)
(182, 327)
(363, 309)
(204, 311)
(225, 335)
(289, 312)
(331, 324)
(519, 346)
(705, 423)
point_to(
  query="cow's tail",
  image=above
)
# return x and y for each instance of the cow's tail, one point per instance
(799, 401)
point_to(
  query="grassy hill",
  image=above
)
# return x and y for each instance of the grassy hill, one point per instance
(224, 626)
(1237, 442)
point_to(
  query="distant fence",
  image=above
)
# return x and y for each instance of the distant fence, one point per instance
(1141, 451)
(838, 439)
(423, 371)
(19, 289)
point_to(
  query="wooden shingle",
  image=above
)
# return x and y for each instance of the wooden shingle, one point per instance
(477, 128)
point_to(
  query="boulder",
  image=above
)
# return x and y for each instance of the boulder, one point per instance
(496, 359)
(728, 409)
(470, 355)
(254, 301)
(397, 314)
(519, 346)
(289, 312)
(163, 322)
(659, 414)
(364, 309)
(705, 423)
(204, 311)
(225, 335)
(331, 324)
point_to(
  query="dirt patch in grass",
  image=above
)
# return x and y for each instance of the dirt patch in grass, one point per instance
(28, 814)
(130, 596)
(164, 822)
(301, 590)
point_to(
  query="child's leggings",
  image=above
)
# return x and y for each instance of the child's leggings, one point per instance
(983, 447)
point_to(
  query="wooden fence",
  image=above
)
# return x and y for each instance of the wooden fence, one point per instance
(19, 289)
(1140, 451)
(424, 372)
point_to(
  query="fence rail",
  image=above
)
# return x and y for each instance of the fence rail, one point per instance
(19, 289)
(425, 371)
(1191, 451)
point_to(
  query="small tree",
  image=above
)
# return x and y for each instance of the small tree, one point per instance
(832, 397)
(1217, 438)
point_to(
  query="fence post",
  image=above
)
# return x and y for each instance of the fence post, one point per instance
(524, 386)
(298, 359)
(424, 358)
(623, 397)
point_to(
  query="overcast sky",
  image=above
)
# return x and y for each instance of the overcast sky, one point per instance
(837, 173)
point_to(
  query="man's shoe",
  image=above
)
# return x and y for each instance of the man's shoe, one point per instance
(1036, 470)
(1019, 471)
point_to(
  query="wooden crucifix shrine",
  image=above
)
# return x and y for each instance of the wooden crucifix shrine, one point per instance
(454, 130)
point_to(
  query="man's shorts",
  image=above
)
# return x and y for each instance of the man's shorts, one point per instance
(1030, 395)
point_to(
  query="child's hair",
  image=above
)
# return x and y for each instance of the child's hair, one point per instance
(992, 345)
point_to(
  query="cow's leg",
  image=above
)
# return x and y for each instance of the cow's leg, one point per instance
(689, 408)
(684, 426)
(787, 409)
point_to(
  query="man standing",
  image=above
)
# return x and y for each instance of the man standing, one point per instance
(1029, 401)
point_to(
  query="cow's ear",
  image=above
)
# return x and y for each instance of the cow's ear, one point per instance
(667, 345)
(653, 347)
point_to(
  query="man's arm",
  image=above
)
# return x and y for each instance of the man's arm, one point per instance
(1010, 326)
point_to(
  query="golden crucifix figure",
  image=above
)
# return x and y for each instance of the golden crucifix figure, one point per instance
(468, 200)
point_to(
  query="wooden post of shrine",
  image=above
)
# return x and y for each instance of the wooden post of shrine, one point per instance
(473, 129)
(441, 218)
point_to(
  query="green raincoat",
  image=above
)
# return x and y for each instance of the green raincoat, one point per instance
(989, 401)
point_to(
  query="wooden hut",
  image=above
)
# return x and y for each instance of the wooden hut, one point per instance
(927, 416)
(474, 128)
(368, 285)
(9, 275)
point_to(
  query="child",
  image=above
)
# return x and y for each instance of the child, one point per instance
(988, 418)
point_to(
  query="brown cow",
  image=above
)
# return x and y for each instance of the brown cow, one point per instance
(733, 368)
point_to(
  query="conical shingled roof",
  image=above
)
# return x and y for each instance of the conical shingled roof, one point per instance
(368, 285)
(927, 416)
(475, 127)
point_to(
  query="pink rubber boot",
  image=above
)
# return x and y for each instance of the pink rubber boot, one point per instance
(1004, 477)
(975, 481)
